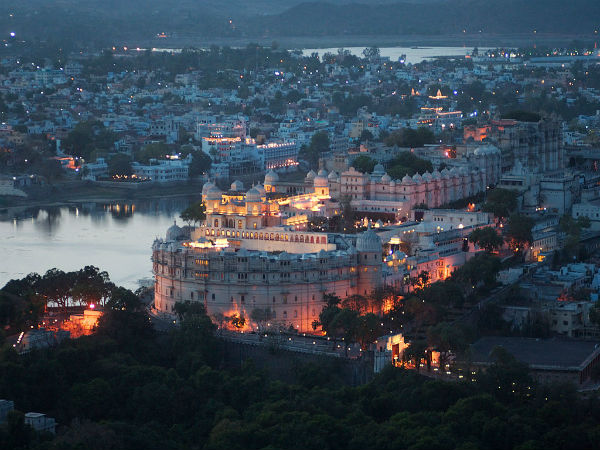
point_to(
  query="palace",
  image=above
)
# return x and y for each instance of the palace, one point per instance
(252, 255)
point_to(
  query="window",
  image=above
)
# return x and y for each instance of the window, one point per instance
(213, 296)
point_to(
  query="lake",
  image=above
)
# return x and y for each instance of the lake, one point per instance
(413, 54)
(114, 236)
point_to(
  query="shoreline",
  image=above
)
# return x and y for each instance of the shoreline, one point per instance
(62, 195)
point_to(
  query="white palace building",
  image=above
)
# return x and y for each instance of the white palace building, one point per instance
(253, 253)
(243, 258)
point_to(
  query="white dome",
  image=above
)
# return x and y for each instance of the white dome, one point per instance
(311, 175)
(332, 176)
(386, 178)
(368, 242)
(237, 185)
(271, 177)
(427, 176)
(406, 179)
(253, 195)
(437, 174)
(214, 193)
(417, 178)
(206, 187)
(321, 181)
(174, 232)
(260, 188)
(379, 168)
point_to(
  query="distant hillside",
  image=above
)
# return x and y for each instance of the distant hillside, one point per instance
(490, 16)
(102, 22)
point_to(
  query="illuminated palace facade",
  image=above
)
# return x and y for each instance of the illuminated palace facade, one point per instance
(377, 192)
(246, 257)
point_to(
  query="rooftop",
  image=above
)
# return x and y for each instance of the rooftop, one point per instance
(553, 354)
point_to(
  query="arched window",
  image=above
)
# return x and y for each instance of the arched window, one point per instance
(317, 240)
(301, 238)
(312, 239)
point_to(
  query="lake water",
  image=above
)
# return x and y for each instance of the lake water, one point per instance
(114, 236)
(413, 54)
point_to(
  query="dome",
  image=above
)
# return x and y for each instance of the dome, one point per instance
(253, 195)
(214, 193)
(260, 188)
(206, 187)
(237, 185)
(271, 177)
(321, 181)
(368, 242)
(379, 168)
(417, 178)
(322, 173)
(427, 176)
(332, 176)
(311, 175)
(445, 173)
(174, 232)
(386, 178)
(437, 174)
(406, 179)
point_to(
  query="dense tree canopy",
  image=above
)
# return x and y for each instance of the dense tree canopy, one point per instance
(486, 238)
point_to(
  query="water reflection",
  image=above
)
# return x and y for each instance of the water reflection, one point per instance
(114, 236)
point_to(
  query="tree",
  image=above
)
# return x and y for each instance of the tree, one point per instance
(371, 52)
(366, 135)
(196, 212)
(119, 165)
(486, 238)
(155, 150)
(356, 303)
(501, 202)
(518, 231)
(482, 268)
(364, 164)
(201, 163)
(369, 328)
(319, 144)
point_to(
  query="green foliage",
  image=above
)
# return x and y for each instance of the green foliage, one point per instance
(88, 137)
(200, 164)
(196, 212)
(155, 150)
(319, 144)
(119, 165)
(407, 163)
(501, 202)
(482, 268)
(518, 230)
(486, 238)
(407, 137)
(364, 163)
